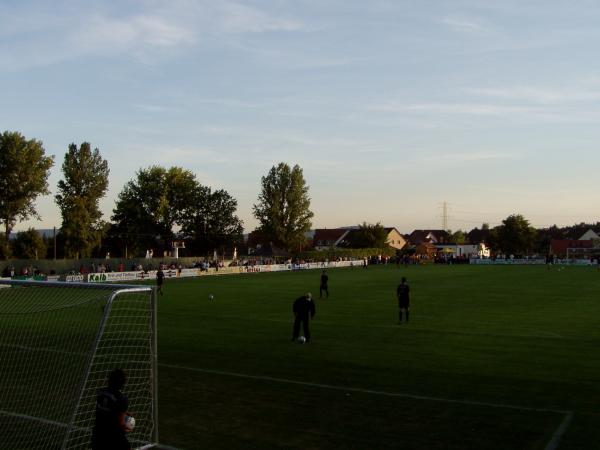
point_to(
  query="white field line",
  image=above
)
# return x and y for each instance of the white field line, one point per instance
(560, 431)
(54, 423)
(367, 391)
(552, 444)
(157, 447)
(35, 419)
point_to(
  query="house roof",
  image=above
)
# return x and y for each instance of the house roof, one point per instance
(329, 235)
(589, 234)
(435, 236)
(388, 230)
(271, 250)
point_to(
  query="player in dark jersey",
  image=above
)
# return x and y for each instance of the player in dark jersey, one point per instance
(160, 279)
(109, 431)
(324, 286)
(303, 308)
(403, 294)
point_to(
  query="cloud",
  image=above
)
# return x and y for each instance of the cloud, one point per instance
(463, 25)
(42, 36)
(236, 17)
(542, 95)
(370, 151)
(453, 108)
(145, 107)
(465, 157)
(137, 34)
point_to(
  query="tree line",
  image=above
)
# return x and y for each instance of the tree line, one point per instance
(158, 207)
(516, 236)
(162, 205)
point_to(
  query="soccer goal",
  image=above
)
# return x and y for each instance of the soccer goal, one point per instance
(58, 344)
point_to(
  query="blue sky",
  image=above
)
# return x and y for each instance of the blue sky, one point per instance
(390, 107)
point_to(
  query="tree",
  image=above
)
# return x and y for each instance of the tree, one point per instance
(514, 237)
(149, 207)
(577, 230)
(85, 183)
(283, 206)
(29, 245)
(24, 170)
(458, 237)
(368, 236)
(210, 222)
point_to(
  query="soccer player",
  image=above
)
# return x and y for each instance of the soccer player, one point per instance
(324, 287)
(303, 308)
(160, 279)
(109, 432)
(403, 294)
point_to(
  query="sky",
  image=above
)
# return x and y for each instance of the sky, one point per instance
(391, 108)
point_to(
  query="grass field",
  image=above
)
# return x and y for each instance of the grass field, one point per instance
(493, 358)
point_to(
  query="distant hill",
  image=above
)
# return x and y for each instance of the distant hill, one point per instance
(44, 232)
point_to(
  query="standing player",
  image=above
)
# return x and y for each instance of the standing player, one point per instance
(109, 432)
(403, 294)
(160, 279)
(303, 307)
(324, 286)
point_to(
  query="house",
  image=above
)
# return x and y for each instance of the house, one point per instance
(570, 247)
(429, 236)
(395, 239)
(426, 250)
(271, 251)
(325, 238)
(463, 250)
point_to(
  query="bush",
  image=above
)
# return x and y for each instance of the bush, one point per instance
(356, 253)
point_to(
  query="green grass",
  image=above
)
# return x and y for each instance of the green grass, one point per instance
(513, 336)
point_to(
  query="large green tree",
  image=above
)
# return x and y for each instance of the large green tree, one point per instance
(283, 206)
(514, 237)
(24, 170)
(458, 237)
(151, 205)
(368, 236)
(211, 222)
(85, 183)
(29, 245)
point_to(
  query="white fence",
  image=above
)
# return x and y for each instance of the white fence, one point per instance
(107, 277)
(532, 261)
(515, 261)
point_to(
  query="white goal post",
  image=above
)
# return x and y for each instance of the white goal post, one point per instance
(58, 344)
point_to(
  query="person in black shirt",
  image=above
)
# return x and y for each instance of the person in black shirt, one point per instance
(160, 279)
(403, 294)
(109, 431)
(303, 308)
(323, 287)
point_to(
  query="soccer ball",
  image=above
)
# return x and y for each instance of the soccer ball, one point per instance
(211, 297)
(301, 340)
(129, 423)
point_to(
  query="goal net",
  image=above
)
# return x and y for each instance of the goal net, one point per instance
(58, 344)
